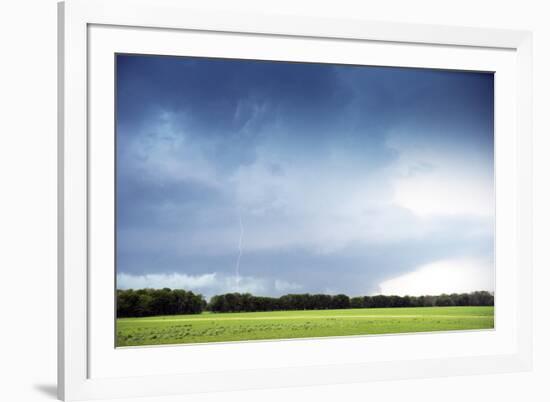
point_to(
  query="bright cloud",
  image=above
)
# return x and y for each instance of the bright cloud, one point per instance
(432, 178)
(447, 276)
(208, 284)
(173, 281)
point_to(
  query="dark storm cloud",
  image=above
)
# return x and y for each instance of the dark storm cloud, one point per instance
(320, 162)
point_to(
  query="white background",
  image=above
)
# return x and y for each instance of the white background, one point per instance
(107, 362)
(28, 199)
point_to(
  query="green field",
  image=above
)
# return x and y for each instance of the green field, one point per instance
(223, 327)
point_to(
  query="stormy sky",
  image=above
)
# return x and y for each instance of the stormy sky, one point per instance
(275, 177)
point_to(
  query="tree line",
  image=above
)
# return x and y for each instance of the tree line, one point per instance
(149, 302)
(238, 302)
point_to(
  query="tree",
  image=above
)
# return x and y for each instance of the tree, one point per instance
(148, 302)
(340, 302)
(356, 302)
(444, 301)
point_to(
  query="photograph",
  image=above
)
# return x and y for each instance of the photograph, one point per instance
(269, 200)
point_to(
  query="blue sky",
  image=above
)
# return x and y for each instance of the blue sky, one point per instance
(276, 177)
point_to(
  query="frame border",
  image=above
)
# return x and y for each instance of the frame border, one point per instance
(74, 16)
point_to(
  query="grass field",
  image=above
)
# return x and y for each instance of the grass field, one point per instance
(210, 327)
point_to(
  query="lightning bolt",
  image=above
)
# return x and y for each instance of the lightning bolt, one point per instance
(238, 264)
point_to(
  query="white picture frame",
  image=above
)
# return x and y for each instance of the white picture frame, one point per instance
(90, 32)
